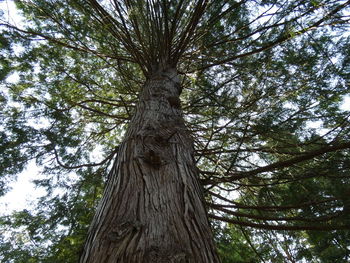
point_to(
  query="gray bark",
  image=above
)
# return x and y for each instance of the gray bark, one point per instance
(152, 209)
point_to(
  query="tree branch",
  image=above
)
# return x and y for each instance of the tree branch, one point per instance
(282, 164)
(280, 227)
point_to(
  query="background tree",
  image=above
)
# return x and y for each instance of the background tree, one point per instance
(254, 78)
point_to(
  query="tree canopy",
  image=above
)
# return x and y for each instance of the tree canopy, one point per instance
(263, 82)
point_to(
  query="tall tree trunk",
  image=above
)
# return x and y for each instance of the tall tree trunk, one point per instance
(152, 209)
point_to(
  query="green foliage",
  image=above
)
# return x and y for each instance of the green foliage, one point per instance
(257, 76)
(55, 231)
(233, 246)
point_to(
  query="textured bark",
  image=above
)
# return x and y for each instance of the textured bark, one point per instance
(152, 209)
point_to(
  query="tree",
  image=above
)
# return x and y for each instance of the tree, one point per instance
(202, 109)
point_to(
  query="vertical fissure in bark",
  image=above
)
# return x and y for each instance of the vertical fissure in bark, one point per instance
(152, 209)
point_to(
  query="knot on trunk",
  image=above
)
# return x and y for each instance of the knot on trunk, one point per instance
(174, 102)
(153, 158)
(122, 230)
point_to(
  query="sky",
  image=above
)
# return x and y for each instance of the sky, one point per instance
(23, 190)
